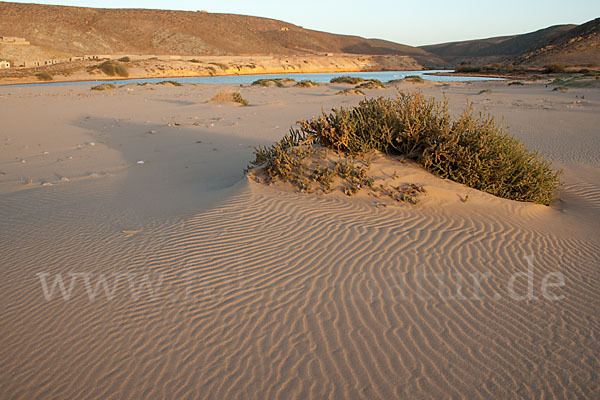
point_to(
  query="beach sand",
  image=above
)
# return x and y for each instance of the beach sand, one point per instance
(221, 287)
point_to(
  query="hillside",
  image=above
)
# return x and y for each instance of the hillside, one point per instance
(578, 46)
(77, 31)
(572, 44)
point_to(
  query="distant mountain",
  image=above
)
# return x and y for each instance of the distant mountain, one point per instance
(573, 44)
(77, 31)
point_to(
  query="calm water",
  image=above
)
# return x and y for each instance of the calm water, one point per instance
(321, 78)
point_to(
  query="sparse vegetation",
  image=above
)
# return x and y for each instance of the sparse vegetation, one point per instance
(414, 79)
(111, 69)
(555, 68)
(306, 84)
(468, 149)
(371, 84)
(43, 76)
(353, 91)
(352, 80)
(485, 91)
(125, 59)
(560, 89)
(104, 86)
(515, 83)
(171, 82)
(233, 97)
(267, 82)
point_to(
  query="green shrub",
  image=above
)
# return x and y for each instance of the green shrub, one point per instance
(414, 79)
(352, 80)
(467, 68)
(371, 84)
(306, 84)
(122, 71)
(469, 149)
(174, 83)
(353, 91)
(555, 68)
(43, 76)
(104, 86)
(279, 82)
(111, 69)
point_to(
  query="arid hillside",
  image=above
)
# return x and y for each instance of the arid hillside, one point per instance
(572, 44)
(76, 30)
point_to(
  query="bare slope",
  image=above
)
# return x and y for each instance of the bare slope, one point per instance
(79, 30)
(572, 44)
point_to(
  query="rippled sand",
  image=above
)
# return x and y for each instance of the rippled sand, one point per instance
(219, 287)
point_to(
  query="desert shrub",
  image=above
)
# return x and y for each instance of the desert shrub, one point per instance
(125, 59)
(515, 83)
(234, 97)
(122, 71)
(104, 86)
(555, 68)
(352, 80)
(371, 84)
(352, 91)
(174, 83)
(560, 89)
(43, 76)
(472, 150)
(306, 84)
(111, 69)
(413, 79)
(108, 68)
(467, 68)
(193, 60)
(485, 91)
(279, 82)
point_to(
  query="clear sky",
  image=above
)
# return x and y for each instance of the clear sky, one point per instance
(408, 22)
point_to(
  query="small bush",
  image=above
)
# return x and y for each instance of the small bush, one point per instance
(174, 83)
(125, 59)
(111, 69)
(104, 86)
(306, 84)
(352, 80)
(470, 150)
(43, 76)
(279, 82)
(555, 68)
(414, 79)
(234, 97)
(485, 91)
(193, 60)
(371, 84)
(350, 92)
(122, 71)
(515, 83)
(560, 89)
(467, 68)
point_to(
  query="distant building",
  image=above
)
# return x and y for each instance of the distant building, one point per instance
(13, 40)
(4, 64)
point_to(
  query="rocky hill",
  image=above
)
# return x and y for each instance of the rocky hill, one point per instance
(78, 31)
(572, 44)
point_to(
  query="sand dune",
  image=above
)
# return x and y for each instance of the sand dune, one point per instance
(226, 288)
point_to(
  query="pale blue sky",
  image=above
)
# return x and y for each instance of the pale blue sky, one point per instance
(408, 22)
